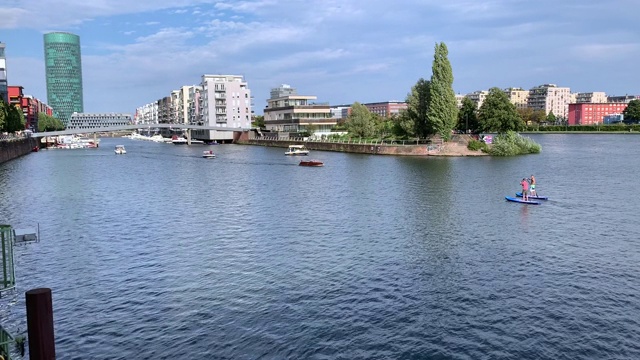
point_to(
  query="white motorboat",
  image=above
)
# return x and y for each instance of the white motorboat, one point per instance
(119, 150)
(183, 141)
(208, 154)
(297, 150)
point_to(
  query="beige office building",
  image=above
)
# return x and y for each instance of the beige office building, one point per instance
(550, 98)
(518, 97)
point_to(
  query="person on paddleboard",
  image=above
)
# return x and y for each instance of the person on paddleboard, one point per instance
(525, 189)
(532, 181)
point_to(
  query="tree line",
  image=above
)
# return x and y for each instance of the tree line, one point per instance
(432, 109)
(12, 119)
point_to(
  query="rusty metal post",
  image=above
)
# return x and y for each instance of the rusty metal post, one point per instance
(40, 324)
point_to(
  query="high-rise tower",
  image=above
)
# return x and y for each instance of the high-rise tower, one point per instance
(4, 92)
(63, 65)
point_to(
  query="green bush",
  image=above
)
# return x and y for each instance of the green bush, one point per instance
(512, 143)
(476, 145)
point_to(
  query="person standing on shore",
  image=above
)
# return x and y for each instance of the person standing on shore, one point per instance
(532, 180)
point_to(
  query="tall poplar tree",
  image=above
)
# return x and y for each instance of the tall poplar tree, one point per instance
(443, 110)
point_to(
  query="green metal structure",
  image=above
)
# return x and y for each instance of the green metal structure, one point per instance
(63, 67)
(8, 271)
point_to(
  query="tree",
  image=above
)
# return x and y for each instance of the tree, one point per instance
(258, 121)
(551, 118)
(417, 106)
(48, 123)
(498, 114)
(11, 118)
(442, 113)
(467, 116)
(632, 112)
(404, 126)
(360, 122)
(4, 107)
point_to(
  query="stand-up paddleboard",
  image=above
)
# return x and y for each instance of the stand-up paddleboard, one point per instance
(521, 201)
(533, 197)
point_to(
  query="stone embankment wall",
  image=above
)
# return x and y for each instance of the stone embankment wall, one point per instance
(456, 147)
(12, 149)
(380, 149)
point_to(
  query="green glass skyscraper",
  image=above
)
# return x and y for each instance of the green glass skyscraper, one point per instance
(63, 65)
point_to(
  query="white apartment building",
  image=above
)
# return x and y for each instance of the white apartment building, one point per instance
(518, 97)
(180, 103)
(550, 98)
(289, 112)
(478, 97)
(598, 97)
(459, 98)
(147, 114)
(98, 120)
(225, 102)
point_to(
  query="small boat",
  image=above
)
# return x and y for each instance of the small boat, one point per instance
(297, 150)
(536, 197)
(208, 154)
(120, 150)
(512, 199)
(311, 163)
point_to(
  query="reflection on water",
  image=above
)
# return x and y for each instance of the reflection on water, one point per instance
(160, 253)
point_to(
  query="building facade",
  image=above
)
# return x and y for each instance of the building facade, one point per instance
(340, 111)
(551, 99)
(518, 97)
(98, 120)
(4, 91)
(294, 113)
(622, 99)
(591, 97)
(593, 113)
(63, 69)
(147, 114)
(29, 105)
(32, 108)
(225, 102)
(478, 97)
(386, 109)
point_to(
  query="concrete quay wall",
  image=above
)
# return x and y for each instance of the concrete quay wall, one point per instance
(379, 149)
(15, 148)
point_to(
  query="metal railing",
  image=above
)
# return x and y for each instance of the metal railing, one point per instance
(357, 141)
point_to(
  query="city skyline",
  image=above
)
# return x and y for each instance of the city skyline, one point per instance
(340, 52)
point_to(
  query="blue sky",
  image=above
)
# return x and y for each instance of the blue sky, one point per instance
(137, 51)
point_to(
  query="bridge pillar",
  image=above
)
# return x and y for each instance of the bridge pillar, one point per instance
(188, 136)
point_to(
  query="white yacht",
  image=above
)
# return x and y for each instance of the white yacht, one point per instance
(297, 150)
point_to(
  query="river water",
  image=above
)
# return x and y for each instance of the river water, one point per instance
(161, 254)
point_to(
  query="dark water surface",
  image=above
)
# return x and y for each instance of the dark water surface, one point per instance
(161, 254)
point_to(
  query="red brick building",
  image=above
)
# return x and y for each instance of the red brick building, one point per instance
(593, 113)
(387, 108)
(29, 105)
